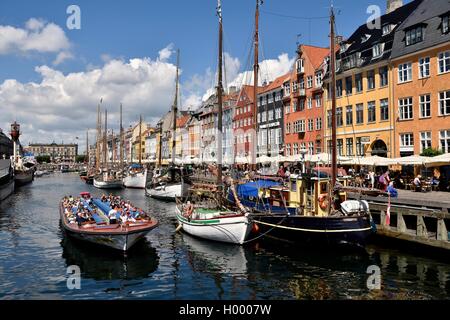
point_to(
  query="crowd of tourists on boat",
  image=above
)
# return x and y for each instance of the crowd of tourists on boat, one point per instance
(82, 211)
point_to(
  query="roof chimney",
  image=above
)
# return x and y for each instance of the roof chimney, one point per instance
(393, 5)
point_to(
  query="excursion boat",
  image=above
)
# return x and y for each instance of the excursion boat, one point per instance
(116, 236)
(136, 177)
(6, 179)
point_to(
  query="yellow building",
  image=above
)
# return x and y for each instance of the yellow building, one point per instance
(138, 141)
(365, 112)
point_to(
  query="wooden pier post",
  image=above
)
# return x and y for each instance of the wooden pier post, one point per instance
(401, 225)
(421, 227)
(442, 232)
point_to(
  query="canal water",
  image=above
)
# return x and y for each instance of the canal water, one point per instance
(35, 255)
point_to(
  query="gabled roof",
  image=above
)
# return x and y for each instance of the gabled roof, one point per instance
(248, 92)
(276, 84)
(181, 121)
(429, 13)
(316, 55)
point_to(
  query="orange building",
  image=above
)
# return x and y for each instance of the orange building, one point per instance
(421, 74)
(303, 116)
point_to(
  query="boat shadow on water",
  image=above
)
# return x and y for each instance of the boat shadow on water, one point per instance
(98, 263)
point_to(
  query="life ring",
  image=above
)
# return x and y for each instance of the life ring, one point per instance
(323, 201)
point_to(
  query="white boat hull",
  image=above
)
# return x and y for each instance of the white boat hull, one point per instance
(116, 184)
(229, 229)
(167, 193)
(136, 181)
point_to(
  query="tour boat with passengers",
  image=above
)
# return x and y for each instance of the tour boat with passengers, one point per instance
(108, 221)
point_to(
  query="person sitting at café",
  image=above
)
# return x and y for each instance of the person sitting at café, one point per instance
(417, 183)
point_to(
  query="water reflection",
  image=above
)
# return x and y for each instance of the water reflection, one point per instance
(102, 264)
(215, 257)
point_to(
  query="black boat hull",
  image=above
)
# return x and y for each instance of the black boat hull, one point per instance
(353, 231)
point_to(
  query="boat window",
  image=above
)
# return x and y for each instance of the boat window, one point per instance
(293, 185)
(323, 187)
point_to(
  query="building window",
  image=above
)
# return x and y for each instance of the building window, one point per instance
(359, 113)
(295, 107)
(424, 67)
(340, 147)
(311, 148)
(339, 120)
(339, 88)
(310, 124)
(319, 124)
(377, 50)
(387, 29)
(384, 80)
(301, 105)
(359, 83)
(370, 80)
(288, 150)
(287, 89)
(349, 85)
(302, 83)
(309, 81)
(404, 72)
(349, 115)
(371, 112)
(302, 126)
(445, 23)
(384, 109)
(425, 141)
(444, 137)
(414, 36)
(407, 140)
(349, 146)
(405, 108)
(444, 103)
(309, 106)
(319, 79)
(359, 147)
(288, 127)
(329, 119)
(287, 109)
(425, 106)
(295, 149)
(318, 101)
(444, 62)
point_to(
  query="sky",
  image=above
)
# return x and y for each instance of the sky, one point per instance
(52, 78)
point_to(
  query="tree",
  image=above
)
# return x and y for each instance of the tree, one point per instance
(81, 159)
(43, 159)
(430, 152)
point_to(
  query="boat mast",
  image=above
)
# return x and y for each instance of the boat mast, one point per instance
(175, 110)
(113, 148)
(140, 139)
(97, 149)
(219, 99)
(121, 139)
(87, 148)
(105, 141)
(255, 85)
(333, 102)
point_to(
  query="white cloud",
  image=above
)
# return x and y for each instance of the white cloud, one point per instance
(201, 86)
(62, 106)
(61, 57)
(37, 36)
(166, 53)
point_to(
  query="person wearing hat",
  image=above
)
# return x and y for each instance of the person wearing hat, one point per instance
(417, 183)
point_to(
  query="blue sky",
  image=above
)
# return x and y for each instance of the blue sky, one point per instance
(124, 53)
(138, 28)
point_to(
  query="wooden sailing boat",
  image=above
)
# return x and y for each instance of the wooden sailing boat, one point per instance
(108, 178)
(203, 214)
(136, 174)
(310, 209)
(167, 186)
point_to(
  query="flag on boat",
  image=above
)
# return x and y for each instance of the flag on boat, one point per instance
(388, 212)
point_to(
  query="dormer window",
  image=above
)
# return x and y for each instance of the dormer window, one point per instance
(377, 50)
(388, 29)
(415, 35)
(344, 47)
(365, 38)
(445, 24)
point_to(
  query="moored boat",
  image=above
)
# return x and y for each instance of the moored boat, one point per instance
(98, 229)
(6, 179)
(136, 177)
(108, 181)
